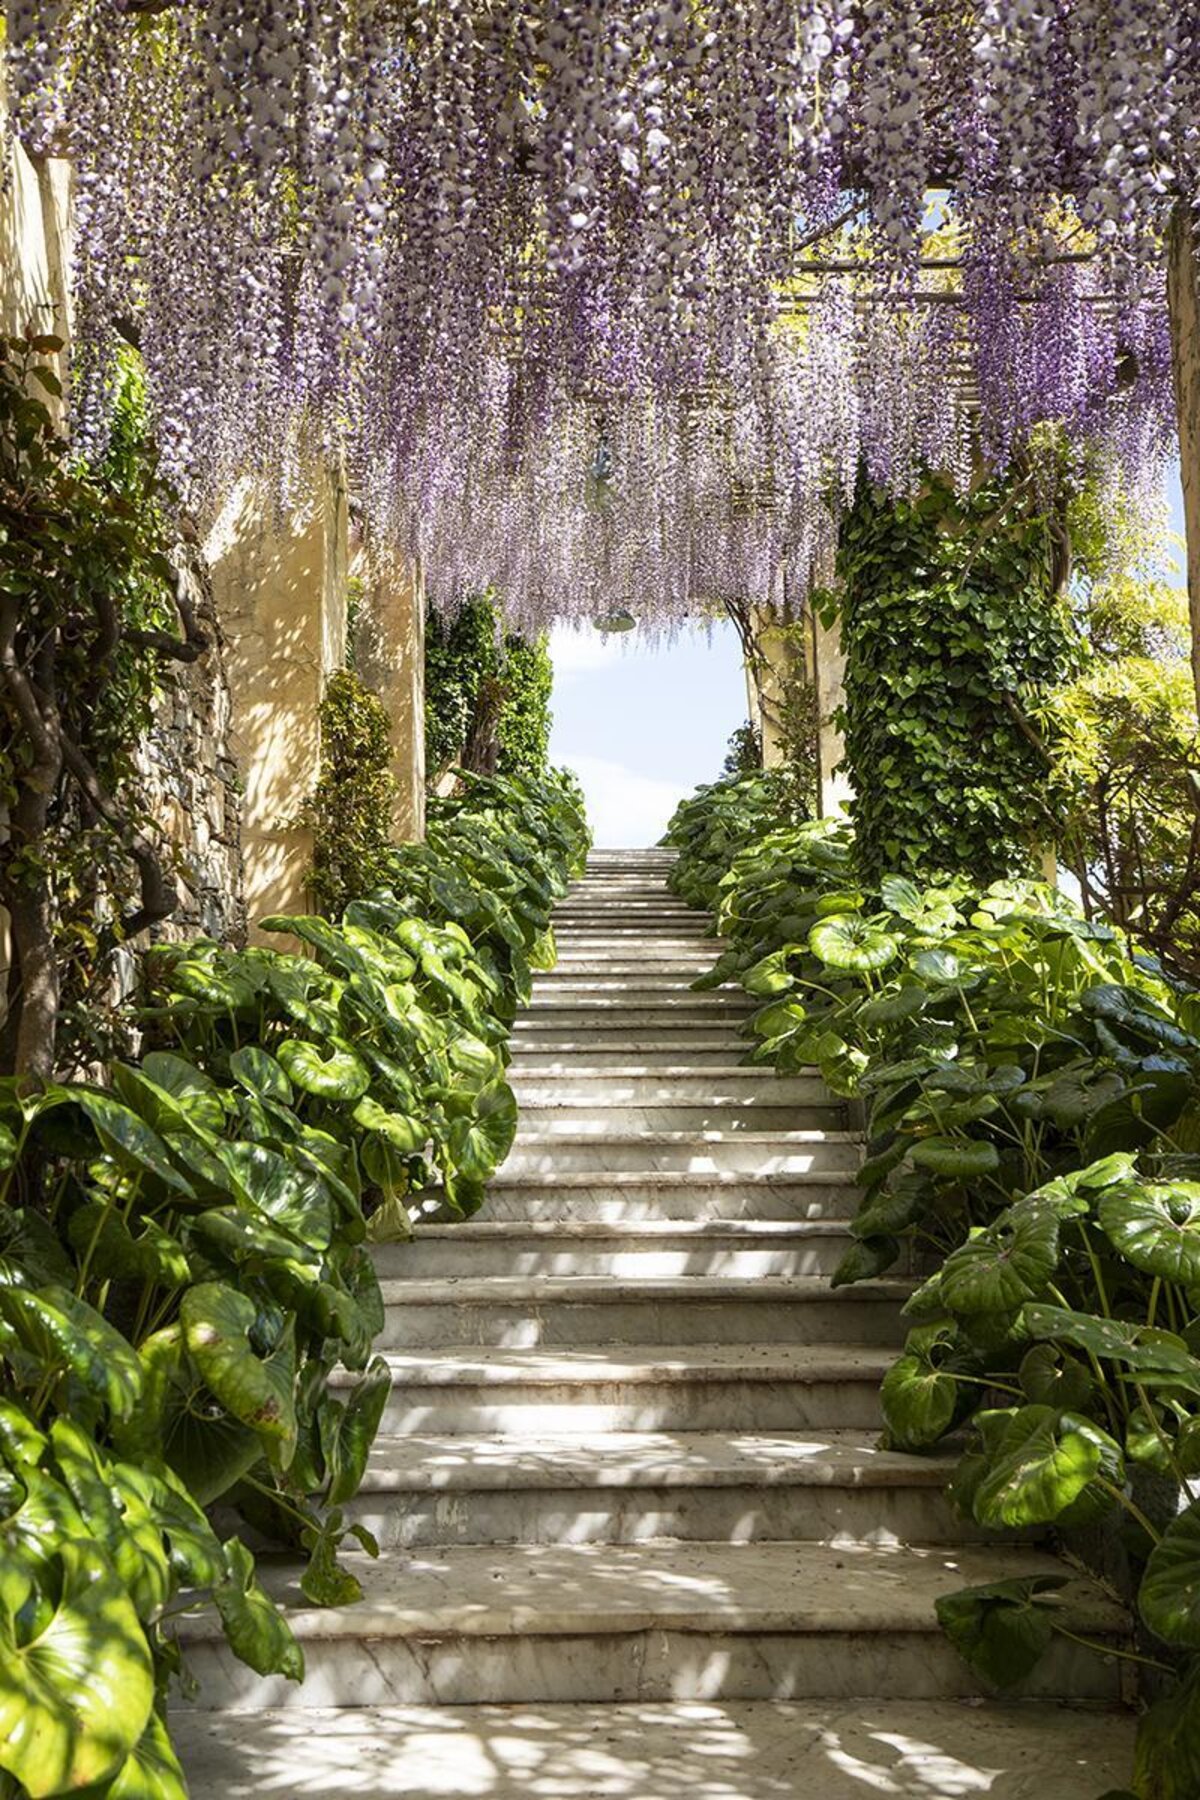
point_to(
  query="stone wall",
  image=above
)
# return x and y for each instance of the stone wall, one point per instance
(191, 777)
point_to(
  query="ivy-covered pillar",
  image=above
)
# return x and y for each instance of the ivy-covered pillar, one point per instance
(952, 623)
(280, 588)
(389, 655)
(826, 663)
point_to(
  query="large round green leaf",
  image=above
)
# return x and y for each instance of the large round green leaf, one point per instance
(296, 1198)
(66, 1334)
(76, 1697)
(1001, 1630)
(256, 1630)
(1002, 1267)
(260, 1074)
(1041, 1466)
(340, 1074)
(1156, 1227)
(481, 1140)
(848, 941)
(152, 1772)
(130, 1141)
(956, 1158)
(919, 1401)
(1169, 1597)
(405, 1134)
(258, 1391)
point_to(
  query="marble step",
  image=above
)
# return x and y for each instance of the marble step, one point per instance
(592, 1118)
(644, 917)
(725, 1387)
(702, 1750)
(629, 1487)
(564, 1057)
(627, 1016)
(517, 1312)
(591, 1030)
(677, 963)
(615, 1197)
(656, 1249)
(732, 1086)
(548, 1623)
(753, 1152)
(646, 990)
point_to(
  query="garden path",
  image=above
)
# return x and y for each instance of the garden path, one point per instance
(638, 1540)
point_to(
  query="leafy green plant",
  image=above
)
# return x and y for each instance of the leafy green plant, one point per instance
(185, 1256)
(1031, 1090)
(90, 611)
(350, 812)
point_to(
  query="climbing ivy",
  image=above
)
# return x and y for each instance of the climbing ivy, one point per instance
(485, 693)
(350, 812)
(953, 623)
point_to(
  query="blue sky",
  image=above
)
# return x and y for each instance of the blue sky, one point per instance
(643, 724)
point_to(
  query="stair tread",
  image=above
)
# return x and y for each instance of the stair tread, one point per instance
(518, 1590)
(633, 1230)
(671, 1178)
(434, 1462)
(729, 1750)
(549, 1365)
(509, 1290)
(698, 1135)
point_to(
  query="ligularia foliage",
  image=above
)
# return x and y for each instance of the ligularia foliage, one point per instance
(605, 300)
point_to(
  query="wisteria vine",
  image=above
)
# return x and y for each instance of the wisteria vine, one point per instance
(605, 300)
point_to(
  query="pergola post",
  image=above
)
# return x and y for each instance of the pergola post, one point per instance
(826, 673)
(1183, 296)
(389, 655)
(280, 586)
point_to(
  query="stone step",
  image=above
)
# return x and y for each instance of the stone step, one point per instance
(516, 1312)
(547, 1623)
(625, 1014)
(616, 1197)
(680, 1086)
(752, 1152)
(676, 963)
(584, 1029)
(422, 1490)
(566, 1057)
(621, 919)
(656, 1249)
(703, 1750)
(718, 1387)
(592, 1118)
(648, 989)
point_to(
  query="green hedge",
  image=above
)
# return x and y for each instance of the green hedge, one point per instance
(464, 655)
(184, 1257)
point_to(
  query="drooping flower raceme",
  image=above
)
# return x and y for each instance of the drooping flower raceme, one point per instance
(605, 300)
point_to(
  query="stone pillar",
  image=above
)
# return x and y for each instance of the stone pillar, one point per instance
(279, 584)
(35, 250)
(826, 672)
(389, 655)
(1183, 296)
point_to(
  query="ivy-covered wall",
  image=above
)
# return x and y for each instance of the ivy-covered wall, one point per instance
(487, 695)
(953, 623)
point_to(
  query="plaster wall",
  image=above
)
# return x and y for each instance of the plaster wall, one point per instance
(389, 654)
(279, 586)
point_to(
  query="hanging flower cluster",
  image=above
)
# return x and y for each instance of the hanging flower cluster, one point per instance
(605, 300)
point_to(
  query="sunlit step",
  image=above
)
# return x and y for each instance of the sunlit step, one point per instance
(752, 1152)
(666, 1194)
(736, 1750)
(520, 1312)
(462, 1389)
(629, 1487)
(534, 1623)
(654, 1249)
(733, 1087)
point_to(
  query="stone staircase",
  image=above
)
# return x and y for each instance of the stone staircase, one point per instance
(637, 1540)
